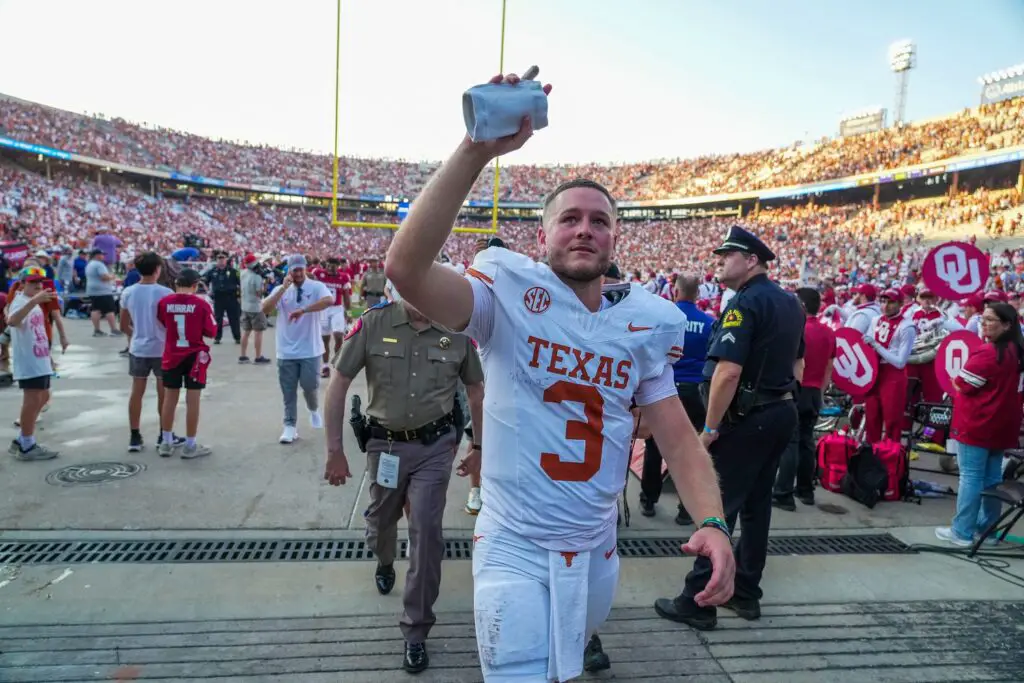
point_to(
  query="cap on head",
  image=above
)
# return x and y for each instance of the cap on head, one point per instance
(891, 295)
(867, 289)
(94, 252)
(32, 274)
(187, 278)
(739, 239)
(42, 253)
(996, 295)
(908, 291)
(296, 261)
(925, 290)
(496, 242)
(974, 301)
(249, 258)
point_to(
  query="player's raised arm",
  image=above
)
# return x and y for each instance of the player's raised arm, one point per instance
(438, 292)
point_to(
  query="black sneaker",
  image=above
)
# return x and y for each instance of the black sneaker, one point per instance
(243, 359)
(745, 608)
(238, 341)
(216, 341)
(594, 657)
(683, 517)
(784, 503)
(685, 611)
(646, 507)
(261, 360)
(416, 659)
(384, 578)
(135, 445)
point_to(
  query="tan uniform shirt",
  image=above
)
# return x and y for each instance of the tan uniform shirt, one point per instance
(411, 375)
(373, 283)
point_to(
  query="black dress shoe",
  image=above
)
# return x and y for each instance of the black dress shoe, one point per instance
(685, 611)
(784, 503)
(683, 517)
(416, 659)
(594, 657)
(745, 608)
(646, 506)
(805, 498)
(384, 577)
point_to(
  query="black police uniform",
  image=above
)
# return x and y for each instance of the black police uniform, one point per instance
(762, 330)
(225, 284)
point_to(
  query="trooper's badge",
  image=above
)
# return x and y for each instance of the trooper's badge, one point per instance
(445, 342)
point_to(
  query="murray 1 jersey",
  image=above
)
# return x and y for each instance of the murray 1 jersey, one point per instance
(560, 381)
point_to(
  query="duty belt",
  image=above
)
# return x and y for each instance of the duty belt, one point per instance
(768, 399)
(428, 433)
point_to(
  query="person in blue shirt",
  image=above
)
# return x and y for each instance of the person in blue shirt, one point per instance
(186, 254)
(81, 261)
(689, 373)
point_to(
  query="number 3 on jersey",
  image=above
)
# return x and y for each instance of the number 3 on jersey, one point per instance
(589, 432)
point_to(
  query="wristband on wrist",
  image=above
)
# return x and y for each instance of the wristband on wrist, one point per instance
(716, 523)
(709, 430)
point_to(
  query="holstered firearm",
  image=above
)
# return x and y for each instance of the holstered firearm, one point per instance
(458, 420)
(359, 423)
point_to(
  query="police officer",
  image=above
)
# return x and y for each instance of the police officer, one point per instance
(412, 369)
(688, 373)
(373, 283)
(225, 284)
(750, 383)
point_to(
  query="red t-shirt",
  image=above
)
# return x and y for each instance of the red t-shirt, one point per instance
(819, 349)
(340, 285)
(987, 405)
(188, 318)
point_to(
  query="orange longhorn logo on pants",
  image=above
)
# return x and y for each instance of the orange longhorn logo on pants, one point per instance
(568, 557)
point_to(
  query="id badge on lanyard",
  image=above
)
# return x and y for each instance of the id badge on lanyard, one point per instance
(387, 471)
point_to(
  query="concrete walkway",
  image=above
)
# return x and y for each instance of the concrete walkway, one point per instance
(908, 617)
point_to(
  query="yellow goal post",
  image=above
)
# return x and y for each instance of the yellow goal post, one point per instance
(337, 111)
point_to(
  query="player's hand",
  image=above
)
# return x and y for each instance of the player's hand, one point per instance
(868, 339)
(714, 545)
(44, 296)
(63, 343)
(337, 471)
(510, 143)
(708, 438)
(287, 281)
(470, 464)
(295, 315)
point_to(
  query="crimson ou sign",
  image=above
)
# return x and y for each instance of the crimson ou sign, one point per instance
(855, 368)
(955, 270)
(952, 356)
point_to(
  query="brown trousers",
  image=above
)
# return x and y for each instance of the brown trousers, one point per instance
(423, 476)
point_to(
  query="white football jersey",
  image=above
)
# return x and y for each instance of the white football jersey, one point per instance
(559, 383)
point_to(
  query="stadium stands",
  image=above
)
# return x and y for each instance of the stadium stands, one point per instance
(68, 208)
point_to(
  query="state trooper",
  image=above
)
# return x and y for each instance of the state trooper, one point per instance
(413, 367)
(749, 385)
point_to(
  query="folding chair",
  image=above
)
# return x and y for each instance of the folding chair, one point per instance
(1009, 491)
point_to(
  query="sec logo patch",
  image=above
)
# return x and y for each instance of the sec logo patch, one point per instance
(537, 300)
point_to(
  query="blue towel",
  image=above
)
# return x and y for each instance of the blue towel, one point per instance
(495, 110)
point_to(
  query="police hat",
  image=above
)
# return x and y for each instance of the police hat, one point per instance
(739, 239)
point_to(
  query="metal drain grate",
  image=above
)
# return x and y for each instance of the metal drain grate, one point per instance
(177, 552)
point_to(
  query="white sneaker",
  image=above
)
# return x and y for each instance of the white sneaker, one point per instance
(289, 435)
(473, 503)
(316, 420)
(945, 533)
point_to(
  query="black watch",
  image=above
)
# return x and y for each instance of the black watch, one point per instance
(475, 446)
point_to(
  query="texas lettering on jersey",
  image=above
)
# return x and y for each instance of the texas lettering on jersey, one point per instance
(559, 359)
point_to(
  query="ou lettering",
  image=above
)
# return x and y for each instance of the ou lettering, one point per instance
(956, 357)
(952, 264)
(852, 364)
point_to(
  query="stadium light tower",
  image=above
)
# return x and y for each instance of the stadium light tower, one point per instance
(902, 58)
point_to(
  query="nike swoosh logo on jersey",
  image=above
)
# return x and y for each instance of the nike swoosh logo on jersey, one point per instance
(634, 328)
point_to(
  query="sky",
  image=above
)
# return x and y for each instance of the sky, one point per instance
(633, 80)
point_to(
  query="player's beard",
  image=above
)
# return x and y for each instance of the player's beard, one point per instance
(582, 273)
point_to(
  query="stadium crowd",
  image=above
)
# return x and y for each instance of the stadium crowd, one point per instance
(984, 128)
